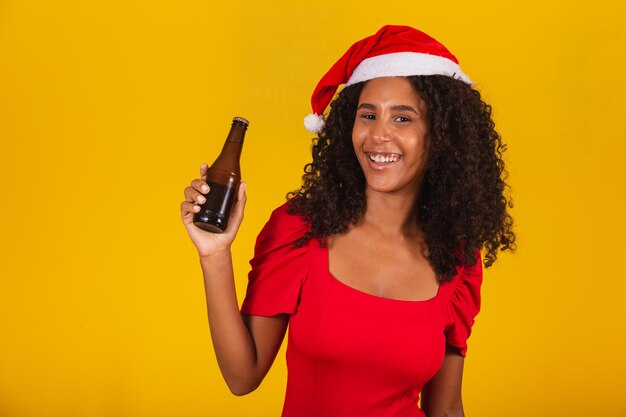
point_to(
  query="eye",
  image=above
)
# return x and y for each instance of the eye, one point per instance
(402, 119)
(368, 116)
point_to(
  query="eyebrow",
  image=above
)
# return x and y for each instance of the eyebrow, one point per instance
(397, 107)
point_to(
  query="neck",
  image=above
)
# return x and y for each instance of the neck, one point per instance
(391, 213)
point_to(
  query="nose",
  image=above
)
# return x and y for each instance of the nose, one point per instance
(380, 131)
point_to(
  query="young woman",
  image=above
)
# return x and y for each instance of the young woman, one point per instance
(375, 263)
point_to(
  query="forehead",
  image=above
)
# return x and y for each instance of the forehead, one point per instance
(391, 90)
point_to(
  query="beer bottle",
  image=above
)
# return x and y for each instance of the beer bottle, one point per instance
(223, 178)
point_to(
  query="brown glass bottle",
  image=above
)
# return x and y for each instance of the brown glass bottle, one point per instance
(223, 179)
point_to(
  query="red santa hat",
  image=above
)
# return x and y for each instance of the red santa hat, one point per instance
(393, 51)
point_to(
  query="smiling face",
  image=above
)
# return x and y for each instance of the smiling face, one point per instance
(390, 135)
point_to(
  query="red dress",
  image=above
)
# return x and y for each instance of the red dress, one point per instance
(350, 353)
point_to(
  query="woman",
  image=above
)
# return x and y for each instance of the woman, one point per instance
(375, 262)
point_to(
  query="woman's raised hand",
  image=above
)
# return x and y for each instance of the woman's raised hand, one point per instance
(210, 243)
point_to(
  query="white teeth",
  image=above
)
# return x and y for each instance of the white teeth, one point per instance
(384, 159)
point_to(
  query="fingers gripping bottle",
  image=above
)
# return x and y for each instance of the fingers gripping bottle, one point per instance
(223, 179)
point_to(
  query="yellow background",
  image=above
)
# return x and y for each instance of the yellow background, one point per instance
(107, 109)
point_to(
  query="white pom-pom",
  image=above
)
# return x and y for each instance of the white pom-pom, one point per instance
(314, 123)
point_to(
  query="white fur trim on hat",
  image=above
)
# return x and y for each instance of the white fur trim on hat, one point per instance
(404, 64)
(314, 123)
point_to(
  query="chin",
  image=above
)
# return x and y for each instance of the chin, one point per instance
(389, 186)
(382, 187)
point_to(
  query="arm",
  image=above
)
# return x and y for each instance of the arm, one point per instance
(441, 396)
(245, 346)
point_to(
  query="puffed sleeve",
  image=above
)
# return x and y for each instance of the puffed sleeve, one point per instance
(464, 305)
(278, 268)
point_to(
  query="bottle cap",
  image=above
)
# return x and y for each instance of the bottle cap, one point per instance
(241, 120)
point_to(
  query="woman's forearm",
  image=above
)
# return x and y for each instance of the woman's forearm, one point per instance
(232, 341)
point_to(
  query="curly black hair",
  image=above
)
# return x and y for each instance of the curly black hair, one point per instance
(464, 199)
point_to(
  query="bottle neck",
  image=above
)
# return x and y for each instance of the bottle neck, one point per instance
(228, 159)
(237, 132)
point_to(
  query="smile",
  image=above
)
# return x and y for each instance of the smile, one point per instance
(383, 158)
